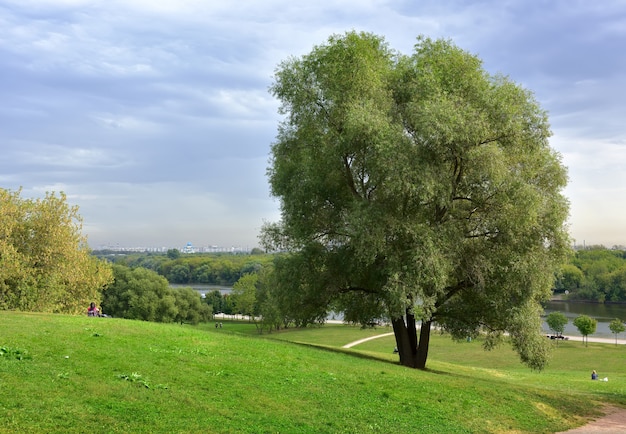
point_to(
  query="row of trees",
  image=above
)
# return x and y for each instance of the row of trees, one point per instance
(596, 274)
(585, 324)
(205, 268)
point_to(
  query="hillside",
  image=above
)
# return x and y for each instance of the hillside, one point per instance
(66, 373)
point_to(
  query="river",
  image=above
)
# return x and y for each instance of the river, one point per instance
(203, 289)
(603, 313)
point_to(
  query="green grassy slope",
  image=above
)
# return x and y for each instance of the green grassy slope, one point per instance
(77, 374)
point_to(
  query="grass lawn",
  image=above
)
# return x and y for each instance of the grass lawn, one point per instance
(78, 374)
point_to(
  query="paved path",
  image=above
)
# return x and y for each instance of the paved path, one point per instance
(360, 341)
(571, 338)
(599, 340)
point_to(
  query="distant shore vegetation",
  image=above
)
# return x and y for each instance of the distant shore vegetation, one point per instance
(594, 274)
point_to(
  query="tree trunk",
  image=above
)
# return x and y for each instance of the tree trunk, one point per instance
(411, 354)
(402, 342)
(406, 339)
(422, 349)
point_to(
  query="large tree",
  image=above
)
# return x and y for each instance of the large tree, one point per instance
(417, 188)
(45, 262)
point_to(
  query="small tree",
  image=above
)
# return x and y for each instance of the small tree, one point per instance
(244, 294)
(173, 253)
(557, 322)
(215, 300)
(617, 326)
(190, 307)
(586, 326)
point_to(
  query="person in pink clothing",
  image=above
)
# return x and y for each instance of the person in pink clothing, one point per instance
(93, 310)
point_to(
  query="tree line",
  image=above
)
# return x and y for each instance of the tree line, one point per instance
(220, 269)
(594, 274)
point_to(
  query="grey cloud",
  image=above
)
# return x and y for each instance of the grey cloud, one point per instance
(155, 118)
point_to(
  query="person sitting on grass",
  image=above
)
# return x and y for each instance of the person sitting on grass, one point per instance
(594, 375)
(93, 310)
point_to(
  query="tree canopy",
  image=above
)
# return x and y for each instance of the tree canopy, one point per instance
(596, 274)
(45, 262)
(586, 326)
(416, 188)
(207, 268)
(616, 326)
(139, 293)
(557, 322)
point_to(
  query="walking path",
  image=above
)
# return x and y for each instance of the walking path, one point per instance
(360, 341)
(613, 422)
(570, 338)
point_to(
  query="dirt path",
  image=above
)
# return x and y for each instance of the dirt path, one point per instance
(613, 422)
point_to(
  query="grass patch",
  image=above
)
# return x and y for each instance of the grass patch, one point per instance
(131, 376)
(14, 353)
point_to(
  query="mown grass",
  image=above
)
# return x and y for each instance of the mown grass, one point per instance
(79, 374)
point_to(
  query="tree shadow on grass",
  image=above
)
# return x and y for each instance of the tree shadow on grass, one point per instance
(368, 356)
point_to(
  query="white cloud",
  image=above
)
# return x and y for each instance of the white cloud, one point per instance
(155, 119)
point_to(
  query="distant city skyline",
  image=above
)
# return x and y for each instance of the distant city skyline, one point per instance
(190, 248)
(185, 248)
(155, 117)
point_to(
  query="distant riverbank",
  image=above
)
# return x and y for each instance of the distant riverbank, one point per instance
(604, 313)
(203, 288)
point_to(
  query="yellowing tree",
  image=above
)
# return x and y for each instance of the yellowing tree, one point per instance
(45, 262)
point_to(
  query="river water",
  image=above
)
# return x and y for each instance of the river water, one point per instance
(603, 313)
(204, 289)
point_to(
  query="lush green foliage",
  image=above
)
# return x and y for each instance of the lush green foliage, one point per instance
(586, 326)
(596, 274)
(557, 322)
(113, 375)
(244, 294)
(45, 263)
(415, 187)
(219, 303)
(139, 293)
(205, 268)
(617, 326)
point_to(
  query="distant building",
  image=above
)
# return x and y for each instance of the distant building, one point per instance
(189, 248)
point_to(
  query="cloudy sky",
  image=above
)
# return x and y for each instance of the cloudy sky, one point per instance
(155, 119)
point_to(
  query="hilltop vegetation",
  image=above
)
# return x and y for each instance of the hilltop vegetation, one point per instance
(112, 375)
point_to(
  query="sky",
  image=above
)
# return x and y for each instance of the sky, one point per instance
(154, 117)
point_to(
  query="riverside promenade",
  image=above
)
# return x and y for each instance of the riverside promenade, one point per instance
(569, 338)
